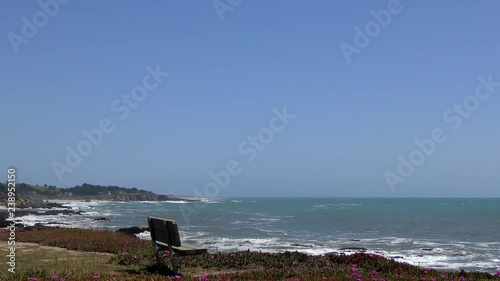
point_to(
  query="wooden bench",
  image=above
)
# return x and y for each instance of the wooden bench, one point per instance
(165, 235)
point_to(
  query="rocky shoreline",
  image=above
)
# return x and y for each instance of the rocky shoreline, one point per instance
(4, 222)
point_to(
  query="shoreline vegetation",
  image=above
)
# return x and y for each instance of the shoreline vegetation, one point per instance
(105, 255)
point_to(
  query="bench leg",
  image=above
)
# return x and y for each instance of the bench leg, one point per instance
(157, 256)
(172, 259)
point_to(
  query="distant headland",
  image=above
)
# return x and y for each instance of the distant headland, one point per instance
(38, 196)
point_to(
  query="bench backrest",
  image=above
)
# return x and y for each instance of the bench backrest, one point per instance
(165, 231)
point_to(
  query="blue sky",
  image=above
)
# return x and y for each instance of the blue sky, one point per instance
(353, 119)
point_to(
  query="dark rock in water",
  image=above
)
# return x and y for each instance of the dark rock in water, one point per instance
(353, 249)
(56, 205)
(427, 249)
(132, 230)
(57, 212)
(397, 257)
(102, 219)
(19, 225)
(53, 222)
(331, 254)
(355, 240)
(301, 245)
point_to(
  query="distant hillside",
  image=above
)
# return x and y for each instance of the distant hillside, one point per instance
(36, 193)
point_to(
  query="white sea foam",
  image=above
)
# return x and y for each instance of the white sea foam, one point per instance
(177, 202)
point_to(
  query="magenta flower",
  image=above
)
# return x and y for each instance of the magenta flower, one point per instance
(295, 263)
(96, 277)
(204, 278)
(32, 279)
(324, 278)
(371, 255)
(136, 257)
(326, 267)
(212, 257)
(177, 277)
(462, 278)
(498, 273)
(254, 252)
(373, 272)
(54, 277)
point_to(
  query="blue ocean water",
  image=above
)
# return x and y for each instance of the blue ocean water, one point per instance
(438, 233)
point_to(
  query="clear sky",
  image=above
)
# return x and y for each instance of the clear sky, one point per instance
(230, 66)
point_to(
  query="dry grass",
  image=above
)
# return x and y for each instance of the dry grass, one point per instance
(33, 258)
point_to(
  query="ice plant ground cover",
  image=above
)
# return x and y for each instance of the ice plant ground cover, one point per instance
(132, 259)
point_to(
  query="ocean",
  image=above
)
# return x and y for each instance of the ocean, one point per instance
(438, 233)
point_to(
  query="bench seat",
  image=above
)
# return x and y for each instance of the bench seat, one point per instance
(185, 249)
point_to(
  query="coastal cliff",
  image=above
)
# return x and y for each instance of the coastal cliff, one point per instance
(37, 196)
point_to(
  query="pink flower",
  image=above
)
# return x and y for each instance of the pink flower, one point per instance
(204, 278)
(270, 254)
(295, 263)
(54, 277)
(32, 279)
(124, 253)
(373, 272)
(354, 270)
(462, 278)
(96, 277)
(498, 273)
(324, 278)
(433, 279)
(326, 267)
(177, 277)
(371, 255)
(254, 252)
(212, 257)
